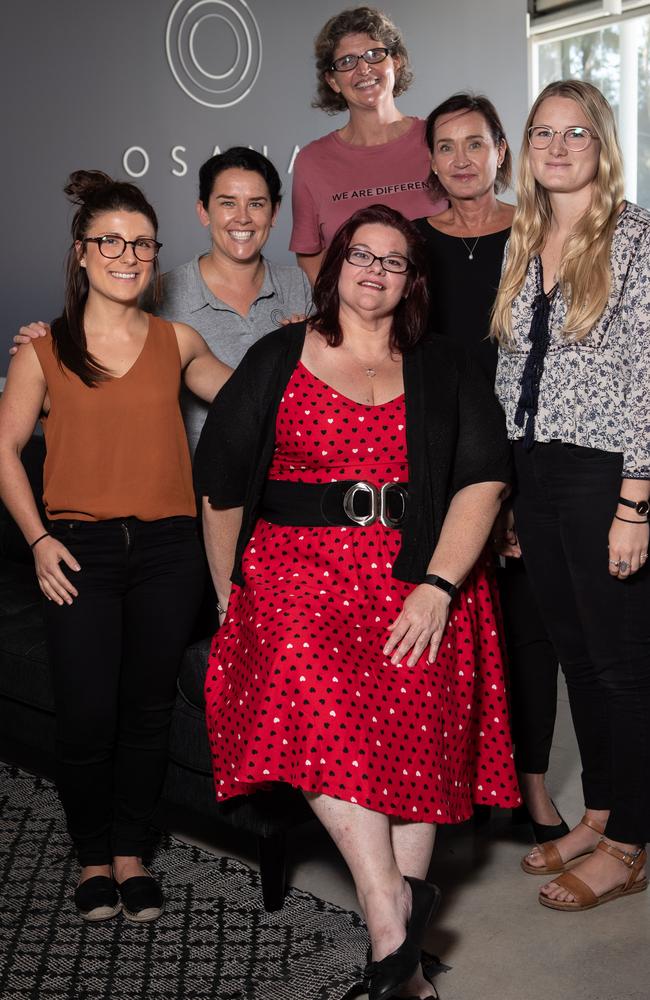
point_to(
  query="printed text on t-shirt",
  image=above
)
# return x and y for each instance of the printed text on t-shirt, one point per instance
(374, 192)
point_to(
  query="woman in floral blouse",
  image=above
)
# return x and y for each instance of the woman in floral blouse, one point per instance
(573, 322)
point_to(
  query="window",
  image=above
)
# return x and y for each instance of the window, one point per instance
(613, 53)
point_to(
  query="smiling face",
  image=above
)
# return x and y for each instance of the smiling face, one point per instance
(465, 156)
(365, 86)
(124, 278)
(373, 291)
(239, 214)
(558, 169)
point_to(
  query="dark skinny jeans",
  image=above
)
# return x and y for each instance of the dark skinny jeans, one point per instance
(533, 669)
(114, 654)
(599, 625)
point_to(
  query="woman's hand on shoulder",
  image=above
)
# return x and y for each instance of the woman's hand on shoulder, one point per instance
(628, 547)
(49, 553)
(203, 373)
(28, 333)
(294, 318)
(421, 623)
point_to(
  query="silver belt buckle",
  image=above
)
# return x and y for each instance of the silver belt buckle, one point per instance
(384, 516)
(348, 503)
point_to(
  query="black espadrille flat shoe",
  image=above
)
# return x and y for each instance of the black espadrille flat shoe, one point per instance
(97, 898)
(142, 898)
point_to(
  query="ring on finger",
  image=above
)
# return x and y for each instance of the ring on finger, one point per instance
(614, 562)
(623, 566)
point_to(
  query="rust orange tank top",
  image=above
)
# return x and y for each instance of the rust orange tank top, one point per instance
(119, 449)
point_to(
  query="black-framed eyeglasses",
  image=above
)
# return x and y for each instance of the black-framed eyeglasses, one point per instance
(393, 262)
(371, 56)
(575, 138)
(110, 246)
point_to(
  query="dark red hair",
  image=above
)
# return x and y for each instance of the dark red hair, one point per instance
(410, 316)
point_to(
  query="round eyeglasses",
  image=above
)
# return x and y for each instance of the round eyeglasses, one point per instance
(393, 262)
(371, 56)
(113, 247)
(575, 138)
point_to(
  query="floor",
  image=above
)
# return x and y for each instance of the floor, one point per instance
(501, 944)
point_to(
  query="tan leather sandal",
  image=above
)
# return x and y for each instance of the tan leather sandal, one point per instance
(586, 898)
(553, 862)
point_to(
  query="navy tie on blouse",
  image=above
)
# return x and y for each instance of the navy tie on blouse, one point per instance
(539, 336)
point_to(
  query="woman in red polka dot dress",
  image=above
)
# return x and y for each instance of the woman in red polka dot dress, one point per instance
(351, 473)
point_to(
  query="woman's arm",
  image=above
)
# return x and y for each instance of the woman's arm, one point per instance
(310, 263)
(464, 533)
(306, 240)
(629, 534)
(220, 532)
(20, 406)
(203, 373)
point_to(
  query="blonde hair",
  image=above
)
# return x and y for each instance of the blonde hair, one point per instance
(584, 274)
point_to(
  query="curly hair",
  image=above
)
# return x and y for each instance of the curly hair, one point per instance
(410, 315)
(357, 21)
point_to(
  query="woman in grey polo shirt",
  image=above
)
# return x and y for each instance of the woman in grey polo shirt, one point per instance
(233, 295)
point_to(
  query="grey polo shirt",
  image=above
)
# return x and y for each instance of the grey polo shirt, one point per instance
(187, 299)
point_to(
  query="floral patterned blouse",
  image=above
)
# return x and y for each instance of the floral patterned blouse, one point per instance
(594, 392)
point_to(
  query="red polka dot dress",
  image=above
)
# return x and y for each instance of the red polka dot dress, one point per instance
(298, 689)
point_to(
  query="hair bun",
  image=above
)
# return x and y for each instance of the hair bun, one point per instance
(82, 184)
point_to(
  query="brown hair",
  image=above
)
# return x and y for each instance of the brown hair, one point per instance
(410, 316)
(93, 192)
(357, 21)
(463, 103)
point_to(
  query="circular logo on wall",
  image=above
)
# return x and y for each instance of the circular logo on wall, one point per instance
(214, 50)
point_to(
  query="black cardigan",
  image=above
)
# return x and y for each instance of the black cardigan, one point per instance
(455, 436)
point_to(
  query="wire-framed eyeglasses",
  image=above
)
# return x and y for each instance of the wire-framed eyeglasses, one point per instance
(394, 262)
(575, 138)
(371, 56)
(144, 248)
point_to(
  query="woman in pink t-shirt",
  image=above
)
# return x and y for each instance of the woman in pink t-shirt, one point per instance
(380, 155)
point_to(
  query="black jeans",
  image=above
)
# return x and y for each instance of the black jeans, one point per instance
(599, 625)
(114, 654)
(533, 670)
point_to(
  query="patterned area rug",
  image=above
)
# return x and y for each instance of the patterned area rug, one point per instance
(213, 942)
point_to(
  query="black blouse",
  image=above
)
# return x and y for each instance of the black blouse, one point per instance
(455, 436)
(462, 291)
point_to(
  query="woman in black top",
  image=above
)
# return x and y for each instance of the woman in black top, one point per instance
(351, 473)
(471, 163)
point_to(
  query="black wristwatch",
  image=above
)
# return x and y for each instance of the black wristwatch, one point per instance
(642, 507)
(438, 581)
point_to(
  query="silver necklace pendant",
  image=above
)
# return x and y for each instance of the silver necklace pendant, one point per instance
(470, 250)
(370, 372)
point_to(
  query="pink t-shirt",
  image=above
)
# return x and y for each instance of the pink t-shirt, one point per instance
(333, 179)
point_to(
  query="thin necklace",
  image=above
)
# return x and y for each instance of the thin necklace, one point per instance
(470, 250)
(370, 372)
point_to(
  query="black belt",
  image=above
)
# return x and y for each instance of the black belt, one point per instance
(347, 503)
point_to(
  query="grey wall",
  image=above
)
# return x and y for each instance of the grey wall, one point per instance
(84, 80)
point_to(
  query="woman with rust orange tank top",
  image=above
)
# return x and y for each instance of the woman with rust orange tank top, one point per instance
(118, 558)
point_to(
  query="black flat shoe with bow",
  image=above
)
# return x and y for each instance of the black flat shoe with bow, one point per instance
(390, 974)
